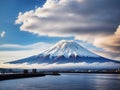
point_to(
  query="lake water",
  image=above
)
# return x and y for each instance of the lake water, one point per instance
(65, 82)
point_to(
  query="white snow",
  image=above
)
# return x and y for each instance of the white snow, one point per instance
(68, 48)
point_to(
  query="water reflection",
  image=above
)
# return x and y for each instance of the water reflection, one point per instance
(65, 82)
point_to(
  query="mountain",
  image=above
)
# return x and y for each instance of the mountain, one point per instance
(65, 52)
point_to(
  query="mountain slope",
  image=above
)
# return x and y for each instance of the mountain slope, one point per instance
(65, 52)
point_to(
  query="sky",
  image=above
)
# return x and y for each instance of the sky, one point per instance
(27, 27)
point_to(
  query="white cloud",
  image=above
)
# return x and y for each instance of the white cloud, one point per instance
(13, 52)
(39, 45)
(110, 45)
(62, 66)
(2, 34)
(111, 42)
(61, 18)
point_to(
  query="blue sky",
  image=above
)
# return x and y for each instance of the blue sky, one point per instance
(33, 25)
(9, 11)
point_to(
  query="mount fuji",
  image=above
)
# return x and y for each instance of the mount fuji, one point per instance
(65, 52)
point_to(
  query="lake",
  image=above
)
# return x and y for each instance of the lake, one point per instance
(72, 81)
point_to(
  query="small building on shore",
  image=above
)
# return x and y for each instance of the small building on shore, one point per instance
(34, 71)
(25, 71)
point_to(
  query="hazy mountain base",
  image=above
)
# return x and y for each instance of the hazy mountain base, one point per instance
(80, 65)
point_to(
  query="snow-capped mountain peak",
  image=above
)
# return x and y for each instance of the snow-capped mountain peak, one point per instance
(68, 48)
(65, 52)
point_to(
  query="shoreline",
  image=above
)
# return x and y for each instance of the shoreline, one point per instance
(29, 75)
(19, 76)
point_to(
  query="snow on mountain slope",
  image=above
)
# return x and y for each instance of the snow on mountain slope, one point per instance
(67, 49)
